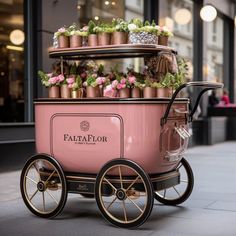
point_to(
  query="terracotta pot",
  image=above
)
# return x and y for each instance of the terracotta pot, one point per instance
(124, 93)
(104, 39)
(63, 41)
(149, 92)
(54, 92)
(92, 92)
(93, 40)
(163, 40)
(164, 92)
(119, 38)
(65, 91)
(135, 93)
(75, 41)
(77, 93)
(84, 41)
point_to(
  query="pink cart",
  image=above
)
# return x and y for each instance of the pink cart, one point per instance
(122, 152)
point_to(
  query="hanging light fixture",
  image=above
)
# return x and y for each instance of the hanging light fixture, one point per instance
(208, 13)
(17, 37)
(183, 16)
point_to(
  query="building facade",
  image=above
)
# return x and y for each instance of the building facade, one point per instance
(26, 33)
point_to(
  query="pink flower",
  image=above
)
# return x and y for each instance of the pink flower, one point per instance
(53, 80)
(70, 80)
(49, 75)
(123, 85)
(85, 28)
(62, 30)
(114, 84)
(101, 80)
(109, 91)
(132, 79)
(123, 81)
(119, 86)
(60, 78)
(70, 85)
(94, 75)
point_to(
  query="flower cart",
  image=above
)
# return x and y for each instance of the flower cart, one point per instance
(124, 152)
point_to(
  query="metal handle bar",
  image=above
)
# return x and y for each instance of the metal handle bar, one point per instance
(207, 86)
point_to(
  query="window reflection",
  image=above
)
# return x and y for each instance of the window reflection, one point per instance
(12, 61)
(177, 15)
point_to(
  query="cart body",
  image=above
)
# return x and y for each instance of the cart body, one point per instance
(84, 135)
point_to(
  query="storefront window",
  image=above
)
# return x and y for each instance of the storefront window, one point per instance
(213, 51)
(177, 16)
(12, 61)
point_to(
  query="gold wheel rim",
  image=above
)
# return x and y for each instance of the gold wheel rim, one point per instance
(125, 205)
(47, 200)
(175, 192)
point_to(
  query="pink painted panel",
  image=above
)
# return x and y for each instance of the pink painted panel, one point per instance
(126, 130)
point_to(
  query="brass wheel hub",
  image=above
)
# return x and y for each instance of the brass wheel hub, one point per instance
(41, 186)
(121, 195)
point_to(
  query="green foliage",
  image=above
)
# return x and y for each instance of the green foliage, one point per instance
(73, 69)
(91, 27)
(120, 25)
(44, 78)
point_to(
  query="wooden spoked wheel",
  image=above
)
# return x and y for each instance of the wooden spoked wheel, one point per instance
(43, 186)
(124, 193)
(179, 193)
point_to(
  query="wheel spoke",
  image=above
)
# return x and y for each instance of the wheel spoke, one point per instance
(179, 166)
(52, 197)
(135, 204)
(27, 177)
(111, 203)
(37, 171)
(176, 191)
(33, 194)
(132, 183)
(43, 202)
(121, 181)
(109, 183)
(50, 177)
(164, 193)
(125, 214)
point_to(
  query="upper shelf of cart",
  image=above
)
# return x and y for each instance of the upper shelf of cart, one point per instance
(109, 51)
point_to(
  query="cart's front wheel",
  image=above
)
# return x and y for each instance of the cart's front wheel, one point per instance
(124, 193)
(43, 186)
(179, 193)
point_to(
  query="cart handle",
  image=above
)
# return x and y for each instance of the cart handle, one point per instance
(207, 86)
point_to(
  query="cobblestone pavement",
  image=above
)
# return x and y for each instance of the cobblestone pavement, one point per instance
(210, 210)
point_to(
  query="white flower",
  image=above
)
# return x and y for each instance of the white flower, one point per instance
(157, 27)
(165, 28)
(132, 27)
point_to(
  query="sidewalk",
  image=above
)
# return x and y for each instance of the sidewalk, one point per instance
(210, 210)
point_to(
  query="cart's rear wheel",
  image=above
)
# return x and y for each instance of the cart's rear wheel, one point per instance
(43, 186)
(124, 193)
(179, 193)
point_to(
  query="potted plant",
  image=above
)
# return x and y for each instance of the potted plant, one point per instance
(142, 34)
(62, 36)
(92, 87)
(76, 88)
(149, 91)
(168, 84)
(160, 90)
(164, 34)
(52, 83)
(75, 38)
(104, 34)
(120, 35)
(92, 34)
